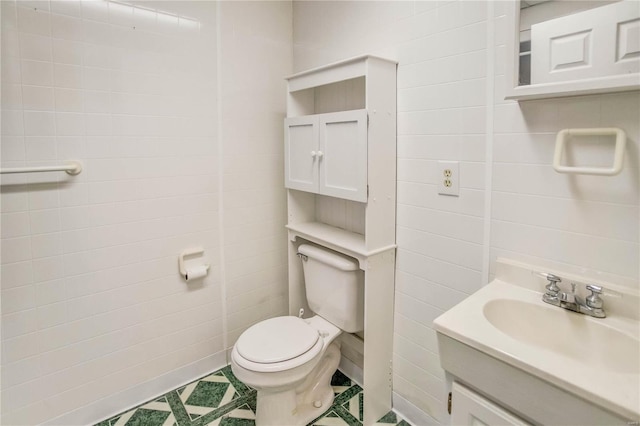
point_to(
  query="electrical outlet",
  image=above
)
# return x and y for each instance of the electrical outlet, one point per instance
(448, 178)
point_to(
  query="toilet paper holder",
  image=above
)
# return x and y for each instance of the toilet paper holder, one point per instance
(190, 252)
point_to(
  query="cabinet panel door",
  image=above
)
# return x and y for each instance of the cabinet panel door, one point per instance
(594, 43)
(343, 162)
(471, 409)
(300, 147)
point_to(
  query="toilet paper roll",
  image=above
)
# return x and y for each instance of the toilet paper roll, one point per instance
(196, 272)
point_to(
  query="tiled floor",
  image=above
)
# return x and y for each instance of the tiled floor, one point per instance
(221, 399)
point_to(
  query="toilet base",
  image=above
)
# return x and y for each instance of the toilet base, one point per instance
(299, 406)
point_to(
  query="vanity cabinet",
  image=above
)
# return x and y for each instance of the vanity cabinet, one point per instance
(523, 396)
(327, 154)
(340, 175)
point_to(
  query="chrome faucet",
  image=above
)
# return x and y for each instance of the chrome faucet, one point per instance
(591, 305)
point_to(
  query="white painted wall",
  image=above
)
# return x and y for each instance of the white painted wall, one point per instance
(512, 203)
(181, 148)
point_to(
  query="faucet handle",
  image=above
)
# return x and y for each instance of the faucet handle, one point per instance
(549, 276)
(551, 295)
(552, 287)
(594, 300)
(606, 292)
(594, 289)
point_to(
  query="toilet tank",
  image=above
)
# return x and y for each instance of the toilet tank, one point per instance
(334, 284)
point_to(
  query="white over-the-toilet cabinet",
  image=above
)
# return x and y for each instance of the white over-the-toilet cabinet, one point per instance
(340, 174)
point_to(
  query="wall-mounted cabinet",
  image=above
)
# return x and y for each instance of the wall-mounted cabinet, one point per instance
(571, 48)
(340, 171)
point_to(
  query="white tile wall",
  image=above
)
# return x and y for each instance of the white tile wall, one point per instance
(155, 102)
(581, 224)
(256, 53)
(89, 287)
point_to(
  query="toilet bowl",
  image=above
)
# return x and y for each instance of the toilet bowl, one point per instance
(290, 362)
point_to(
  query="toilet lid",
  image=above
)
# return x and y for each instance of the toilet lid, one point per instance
(276, 340)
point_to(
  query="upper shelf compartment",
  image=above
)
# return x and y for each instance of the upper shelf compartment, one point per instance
(341, 86)
(347, 95)
(333, 73)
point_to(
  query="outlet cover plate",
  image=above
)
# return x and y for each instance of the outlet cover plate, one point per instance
(448, 176)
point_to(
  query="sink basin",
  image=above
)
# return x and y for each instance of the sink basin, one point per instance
(565, 333)
(594, 360)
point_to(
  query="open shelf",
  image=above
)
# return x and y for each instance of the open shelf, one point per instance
(347, 242)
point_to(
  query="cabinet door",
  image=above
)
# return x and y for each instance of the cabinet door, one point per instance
(470, 409)
(594, 43)
(343, 155)
(300, 148)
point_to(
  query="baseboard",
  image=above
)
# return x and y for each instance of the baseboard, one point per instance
(351, 370)
(411, 413)
(114, 404)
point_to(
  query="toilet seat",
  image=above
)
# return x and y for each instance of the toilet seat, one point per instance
(277, 344)
(276, 340)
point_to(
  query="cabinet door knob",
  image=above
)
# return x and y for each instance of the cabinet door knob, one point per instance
(320, 154)
(313, 153)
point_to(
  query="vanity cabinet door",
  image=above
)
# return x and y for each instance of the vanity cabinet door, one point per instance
(471, 409)
(343, 159)
(300, 153)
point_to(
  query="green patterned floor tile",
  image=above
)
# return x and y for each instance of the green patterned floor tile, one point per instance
(336, 416)
(210, 393)
(152, 413)
(243, 415)
(106, 422)
(217, 416)
(203, 397)
(227, 421)
(389, 418)
(349, 419)
(340, 382)
(146, 417)
(392, 418)
(330, 418)
(347, 395)
(179, 412)
(220, 399)
(355, 406)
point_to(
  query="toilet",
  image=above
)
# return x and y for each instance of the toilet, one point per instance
(290, 360)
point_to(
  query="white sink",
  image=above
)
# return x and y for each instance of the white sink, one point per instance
(565, 333)
(594, 360)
